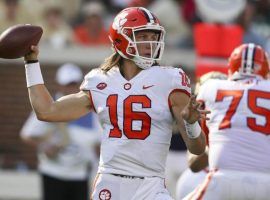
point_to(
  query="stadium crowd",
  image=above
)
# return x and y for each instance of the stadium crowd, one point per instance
(86, 22)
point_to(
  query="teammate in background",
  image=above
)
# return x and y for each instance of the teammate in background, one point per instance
(66, 151)
(239, 129)
(198, 165)
(136, 100)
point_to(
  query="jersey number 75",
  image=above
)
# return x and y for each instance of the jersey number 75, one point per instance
(252, 99)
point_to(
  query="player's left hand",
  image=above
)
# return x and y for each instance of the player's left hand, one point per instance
(193, 112)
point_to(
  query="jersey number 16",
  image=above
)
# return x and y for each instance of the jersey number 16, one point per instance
(129, 116)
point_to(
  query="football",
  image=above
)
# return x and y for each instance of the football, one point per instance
(17, 40)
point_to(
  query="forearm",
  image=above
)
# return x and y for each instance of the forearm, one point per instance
(194, 137)
(39, 96)
(196, 145)
(67, 108)
(40, 99)
(198, 162)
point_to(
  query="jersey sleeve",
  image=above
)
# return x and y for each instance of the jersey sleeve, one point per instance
(87, 81)
(89, 84)
(180, 82)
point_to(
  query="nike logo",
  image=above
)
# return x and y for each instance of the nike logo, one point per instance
(146, 87)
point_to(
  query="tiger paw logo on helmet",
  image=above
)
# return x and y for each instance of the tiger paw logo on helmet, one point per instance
(119, 21)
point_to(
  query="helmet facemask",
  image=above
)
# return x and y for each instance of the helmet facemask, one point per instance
(156, 47)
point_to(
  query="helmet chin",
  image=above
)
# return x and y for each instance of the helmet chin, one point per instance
(142, 63)
(138, 60)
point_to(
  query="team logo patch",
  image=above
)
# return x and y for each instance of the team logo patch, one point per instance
(127, 86)
(105, 194)
(101, 86)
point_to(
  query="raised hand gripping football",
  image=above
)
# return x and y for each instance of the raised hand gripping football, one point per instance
(16, 41)
(192, 112)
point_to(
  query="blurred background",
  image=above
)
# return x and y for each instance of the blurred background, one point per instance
(200, 36)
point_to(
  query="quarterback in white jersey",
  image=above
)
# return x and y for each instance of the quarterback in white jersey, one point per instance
(143, 113)
(136, 101)
(239, 129)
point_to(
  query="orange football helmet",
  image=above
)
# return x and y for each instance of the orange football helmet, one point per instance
(249, 59)
(122, 35)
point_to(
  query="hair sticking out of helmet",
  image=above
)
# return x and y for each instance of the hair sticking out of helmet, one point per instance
(124, 28)
(248, 60)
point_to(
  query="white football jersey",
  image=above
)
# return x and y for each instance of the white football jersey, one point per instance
(239, 125)
(136, 118)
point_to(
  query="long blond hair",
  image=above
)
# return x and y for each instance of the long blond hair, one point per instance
(111, 61)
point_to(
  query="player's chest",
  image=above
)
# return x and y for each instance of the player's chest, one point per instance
(137, 98)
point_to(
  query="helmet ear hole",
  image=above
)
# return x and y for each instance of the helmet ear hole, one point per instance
(131, 50)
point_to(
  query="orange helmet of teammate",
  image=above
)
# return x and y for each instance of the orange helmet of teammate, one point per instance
(249, 59)
(122, 35)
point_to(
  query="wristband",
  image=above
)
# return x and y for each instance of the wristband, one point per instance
(193, 130)
(33, 74)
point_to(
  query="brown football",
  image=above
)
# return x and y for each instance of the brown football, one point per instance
(17, 40)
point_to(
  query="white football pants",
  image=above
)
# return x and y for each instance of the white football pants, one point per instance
(111, 187)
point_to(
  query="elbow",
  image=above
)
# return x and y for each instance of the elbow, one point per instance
(195, 168)
(42, 117)
(198, 163)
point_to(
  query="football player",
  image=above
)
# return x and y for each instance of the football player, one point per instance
(239, 129)
(136, 100)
